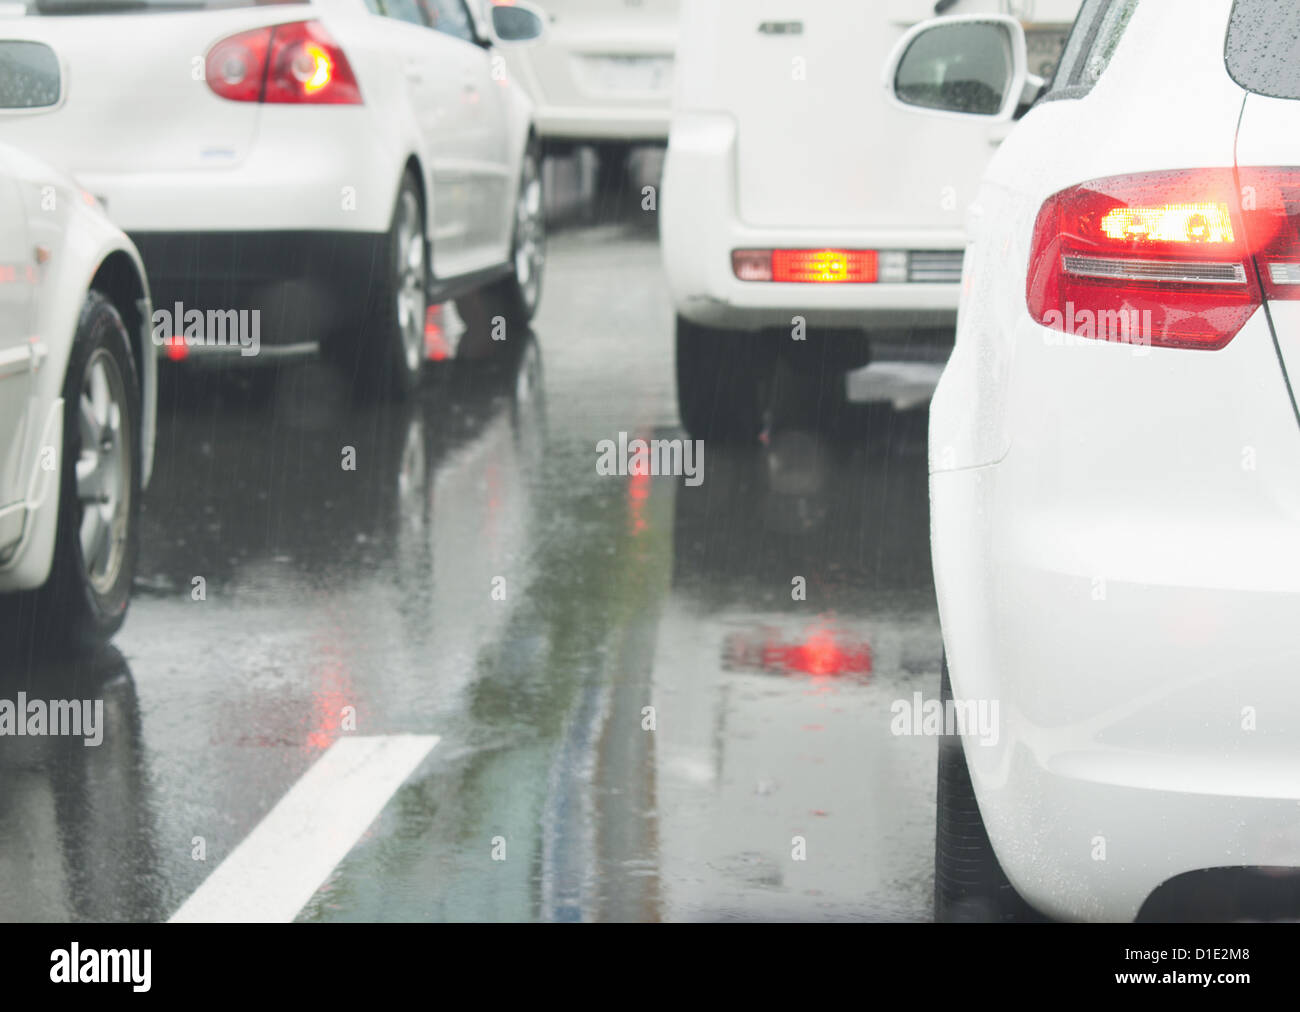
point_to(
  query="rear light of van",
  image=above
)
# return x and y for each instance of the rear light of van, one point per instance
(297, 63)
(806, 266)
(1182, 251)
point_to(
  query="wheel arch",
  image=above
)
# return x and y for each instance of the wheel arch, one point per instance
(415, 168)
(120, 280)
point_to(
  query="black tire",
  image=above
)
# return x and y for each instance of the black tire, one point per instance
(969, 883)
(513, 299)
(613, 160)
(384, 350)
(76, 609)
(724, 381)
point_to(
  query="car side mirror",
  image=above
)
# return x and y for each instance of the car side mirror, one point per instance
(516, 22)
(966, 65)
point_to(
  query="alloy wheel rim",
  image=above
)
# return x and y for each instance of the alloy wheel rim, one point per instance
(530, 233)
(411, 306)
(103, 471)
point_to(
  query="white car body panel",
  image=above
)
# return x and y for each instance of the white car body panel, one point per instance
(77, 238)
(1116, 528)
(784, 138)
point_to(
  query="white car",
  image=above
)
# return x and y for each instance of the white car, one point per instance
(804, 213)
(603, 74)
(332, 166)
(1115, 469)
(77, 404)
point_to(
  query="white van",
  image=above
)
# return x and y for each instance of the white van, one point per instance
(603, 74)
(805, 213)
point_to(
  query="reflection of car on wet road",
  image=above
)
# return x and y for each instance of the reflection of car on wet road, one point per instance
(78, 831)
(77, 405)
(332, 166)
(803, 212)
(1115, 483)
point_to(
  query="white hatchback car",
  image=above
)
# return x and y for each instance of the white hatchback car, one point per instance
(1115, 470)
(799, 201)
(77, 404)
(333, 165)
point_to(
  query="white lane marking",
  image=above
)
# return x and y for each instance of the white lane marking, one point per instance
(275, 870)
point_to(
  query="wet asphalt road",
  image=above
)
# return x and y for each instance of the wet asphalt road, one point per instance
(475, 578)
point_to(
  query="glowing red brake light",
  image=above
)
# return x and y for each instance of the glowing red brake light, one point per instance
(1187, 256)
(296, 63)
(1157, 258)
(1271, 201)
(806, 266)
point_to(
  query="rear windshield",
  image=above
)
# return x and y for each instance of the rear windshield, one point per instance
(50, 7)
(1263, 47)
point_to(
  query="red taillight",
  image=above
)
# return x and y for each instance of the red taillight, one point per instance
(295, 63)
(814, 266)
(236, 66)
(1157, 258)
(1270, 200)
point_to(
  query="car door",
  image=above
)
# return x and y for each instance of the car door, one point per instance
(16, 347)
(481, 137)
(425, 64)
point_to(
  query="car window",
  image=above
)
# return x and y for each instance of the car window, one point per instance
(1261, 47)
(450, 16)
(1109, 31)
(1076, 46)
(1092, 42)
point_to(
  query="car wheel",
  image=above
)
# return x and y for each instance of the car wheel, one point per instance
(85, 599)
(385, 353)
(724, 382)
(511, 301)
(969, 883)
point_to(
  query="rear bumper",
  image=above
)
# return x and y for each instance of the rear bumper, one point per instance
(300, 284)
(892, 310)
(1146, 725)
(309, 168)
(598, 123)
(1123, 581)
(700, 226)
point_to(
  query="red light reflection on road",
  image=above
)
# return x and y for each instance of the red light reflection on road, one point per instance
(436, 348)
(821, 652)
